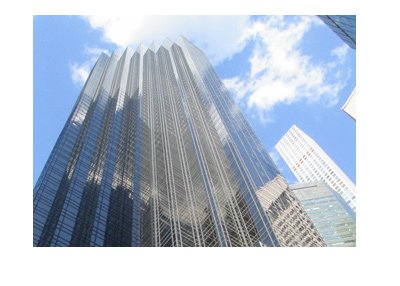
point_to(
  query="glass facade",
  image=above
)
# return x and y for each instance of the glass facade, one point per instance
(344, 26)
(332, 217)
(155, 153)
(290, 221)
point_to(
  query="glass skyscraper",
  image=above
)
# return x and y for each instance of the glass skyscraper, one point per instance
(332, 217)
(156, 153)
(344, 26)
(309, 163)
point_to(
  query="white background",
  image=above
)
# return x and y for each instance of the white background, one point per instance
(373, 261)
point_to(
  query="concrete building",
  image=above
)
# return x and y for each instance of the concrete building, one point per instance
(309, 163)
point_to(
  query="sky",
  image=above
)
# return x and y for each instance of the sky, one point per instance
(280, 70)
(61, 42)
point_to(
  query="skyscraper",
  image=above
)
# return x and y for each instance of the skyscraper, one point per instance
(156, 153)
(285, 212)
(332, 217)
(309, 163)
(344, 26)
(350, 105)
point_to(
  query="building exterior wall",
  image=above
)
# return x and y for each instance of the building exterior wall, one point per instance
(350, 106)
(155, 153)
(290, 221)
(344, 26)
(333, 219)
(309, 163)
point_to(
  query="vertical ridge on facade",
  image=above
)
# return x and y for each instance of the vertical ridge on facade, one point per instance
(156, 153)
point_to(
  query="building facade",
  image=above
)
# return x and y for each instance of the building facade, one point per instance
(344, 26)
(289, 219)
(330, 214)
(155, 153)
(309, 163)
(350, 105)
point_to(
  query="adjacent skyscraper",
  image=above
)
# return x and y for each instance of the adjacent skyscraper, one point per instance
(309, 163)
(344, 26)
(350, 106)
(156, 153)
(332, 217)
(289, 220)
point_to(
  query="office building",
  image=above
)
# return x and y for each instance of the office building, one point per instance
(289, 219)
(334, 220)
(350, 106)
(309, 163)
(344, 26)
(156, 153)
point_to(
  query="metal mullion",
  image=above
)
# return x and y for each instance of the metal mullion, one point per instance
(187, 185)
(191, 91)
(167, 157)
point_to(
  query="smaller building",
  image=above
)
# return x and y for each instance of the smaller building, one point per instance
(309, 163)
(332, 217)
(350, 106)
(290, 222)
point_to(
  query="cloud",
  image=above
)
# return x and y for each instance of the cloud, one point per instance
(220, 37)
(340, 53)
(95, 52)
(280, 73)
(236, 84)
(80, 71)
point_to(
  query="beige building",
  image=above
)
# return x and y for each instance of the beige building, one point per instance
(290, 222)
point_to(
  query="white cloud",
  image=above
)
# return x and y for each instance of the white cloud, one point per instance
(280, 72)
(236, 84)
(95, 52)
(80, 71)
(220, 37)
(341, 53)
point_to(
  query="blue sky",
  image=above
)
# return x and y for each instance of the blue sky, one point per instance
(281, 71)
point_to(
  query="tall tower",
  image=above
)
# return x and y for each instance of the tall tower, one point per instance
(309, 163)
(156, 153)
(332, 217)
